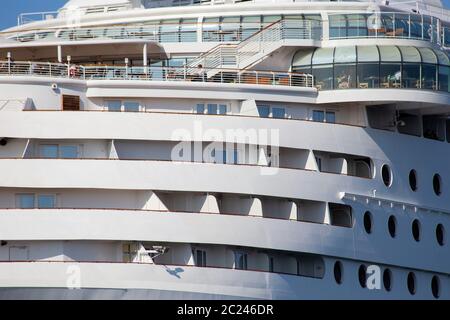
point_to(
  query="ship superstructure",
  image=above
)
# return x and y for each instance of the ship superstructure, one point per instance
(219, 149)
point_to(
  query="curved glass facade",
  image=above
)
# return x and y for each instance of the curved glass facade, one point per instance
(367, 67)
(383, 24)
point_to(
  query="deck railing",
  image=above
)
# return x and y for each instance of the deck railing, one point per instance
(229, 76)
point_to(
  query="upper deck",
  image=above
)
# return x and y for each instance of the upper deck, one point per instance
(78, 9)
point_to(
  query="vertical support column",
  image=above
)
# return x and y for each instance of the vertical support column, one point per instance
(325, 26)
(59, 52)
(145, 58)
(200, 29)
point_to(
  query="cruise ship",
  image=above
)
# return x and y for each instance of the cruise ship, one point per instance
(226, 149)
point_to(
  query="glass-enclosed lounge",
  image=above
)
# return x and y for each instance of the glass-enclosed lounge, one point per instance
(367, 67)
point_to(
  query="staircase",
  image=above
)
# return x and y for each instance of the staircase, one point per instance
(255, 48)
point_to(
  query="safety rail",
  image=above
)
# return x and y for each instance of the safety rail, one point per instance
(259, 44)
(229, 76)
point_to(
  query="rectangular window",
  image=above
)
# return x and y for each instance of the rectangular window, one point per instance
(200, 258)
(68, 152)
(318, 116)
(114, 106)
(46, 201)
(220, 156)
(25, 201)
(330, 117)
(212, 108)
(264, 111)
(235, 156)
(279, 113)
(240, 261)
(129, 106)
(129, 252)
(49, 151)
(271, 264)
(200, 109)
(222, 109)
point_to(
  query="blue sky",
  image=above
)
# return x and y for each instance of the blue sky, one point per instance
(12, 8)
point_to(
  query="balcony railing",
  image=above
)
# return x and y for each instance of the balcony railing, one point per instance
(228, 76)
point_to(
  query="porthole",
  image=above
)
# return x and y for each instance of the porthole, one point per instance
(437, 184)
(387, 279)
(338, 268)
(392, 226)
(415, 228)
(368, 222)
(440, 234)
(436, 287)
(412, 283)
(362, 276)
(386, 175)
(413, 180)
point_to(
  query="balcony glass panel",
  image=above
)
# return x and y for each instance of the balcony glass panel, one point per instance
(338, 26)
(411, 76)
(48, 151)
(390, 54)
(250, 25)
(416, 27)
(368, 75)
(279, 113)
(264, 111)
(130, 106)
(345, 54)
(390, 75)
(230, 29)
(323, 75)
(429, 76)
(188, 29)
(410, 54)
(46, 201)
(26, 201)
(345, 76)
(443, 78)
(169, 30)
(357, 26)
(68, 152)
(211, 28)
(114, 106)
(368, 54)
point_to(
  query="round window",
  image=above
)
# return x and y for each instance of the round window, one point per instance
(412, 283)
(437, 184)
(386, 175)
(413, 180)
(338, 272)
(368, 222)
(387, 279)
(392, 226)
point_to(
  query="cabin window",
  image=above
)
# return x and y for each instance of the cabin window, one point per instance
(49, 151)
(46, 201)
(240, 260)
(25, 201)
(200, 258)
(114, 106)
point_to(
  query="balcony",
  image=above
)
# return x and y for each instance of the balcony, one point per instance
(224, 76)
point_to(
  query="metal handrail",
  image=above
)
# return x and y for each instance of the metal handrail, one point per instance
(238, 55)
(228, 76)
